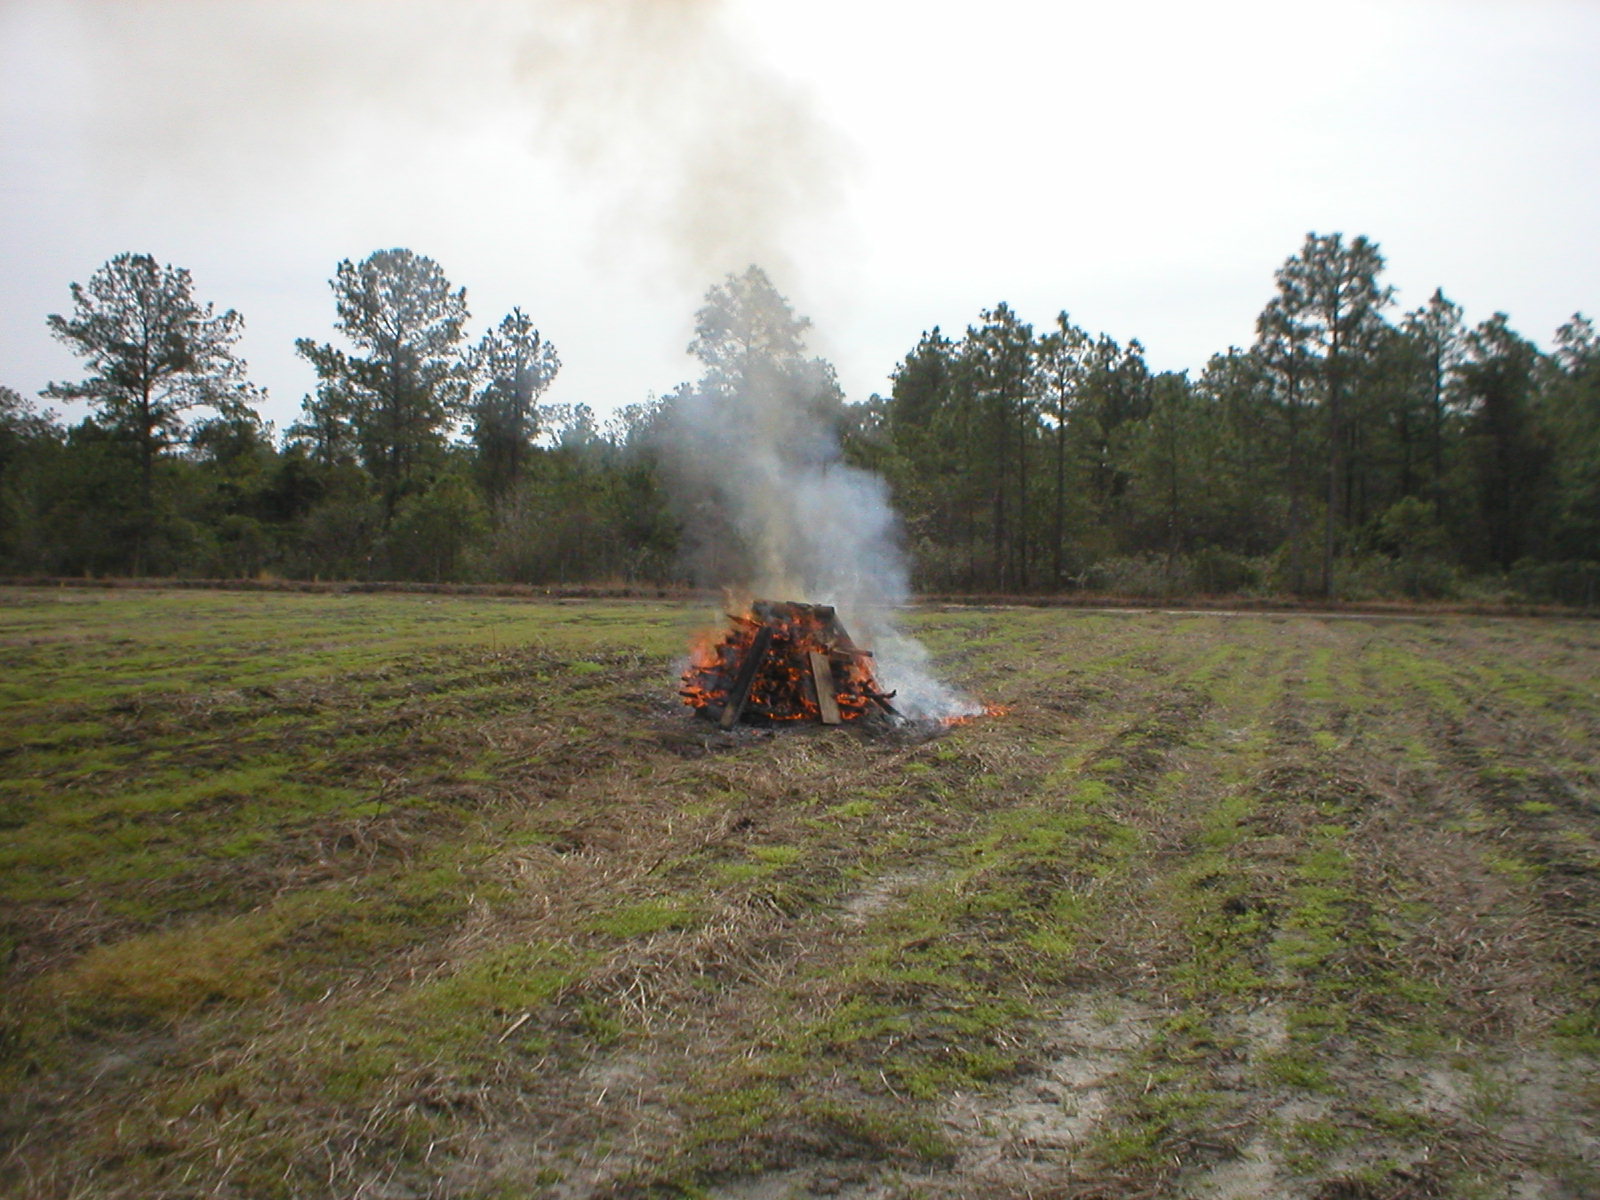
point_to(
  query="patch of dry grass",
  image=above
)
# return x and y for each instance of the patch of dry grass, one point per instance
(446, 897)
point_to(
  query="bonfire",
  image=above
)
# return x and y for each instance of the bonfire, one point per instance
(783, 661)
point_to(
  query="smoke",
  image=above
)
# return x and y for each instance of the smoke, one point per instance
(705, 153)
(771, 509)
(694, 158)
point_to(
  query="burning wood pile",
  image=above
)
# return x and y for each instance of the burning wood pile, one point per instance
(783, 661)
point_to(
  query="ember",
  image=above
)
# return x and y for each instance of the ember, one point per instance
(783, 661)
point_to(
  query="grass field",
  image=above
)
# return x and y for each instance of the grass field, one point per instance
(400, 896)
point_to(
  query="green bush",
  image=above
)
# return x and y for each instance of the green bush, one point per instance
(1215, 571)
(1575, 582)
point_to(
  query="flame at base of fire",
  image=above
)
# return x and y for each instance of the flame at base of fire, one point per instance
(988, 710)
(800, 647)
(784, 686)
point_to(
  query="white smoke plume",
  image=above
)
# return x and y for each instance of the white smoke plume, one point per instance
(709, 156)
(771, 509)
(695, 159)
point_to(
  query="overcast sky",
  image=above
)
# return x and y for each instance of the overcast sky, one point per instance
(893, 166)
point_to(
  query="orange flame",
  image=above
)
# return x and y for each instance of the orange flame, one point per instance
(988, 710)
(784, 687)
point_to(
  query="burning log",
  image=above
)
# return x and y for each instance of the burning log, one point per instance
(754, 656)
(784, 661)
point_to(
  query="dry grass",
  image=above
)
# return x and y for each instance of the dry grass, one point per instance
(445, 897)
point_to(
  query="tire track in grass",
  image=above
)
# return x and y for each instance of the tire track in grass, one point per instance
(787, 825)
(1358, 985)
(829, 940)
(1167, 1112)
(1151, 896)
(1498, 943)
(1087, 1021)
(1530, 810)
(1150, 1111)
(1287, 942)
(1266, 1080)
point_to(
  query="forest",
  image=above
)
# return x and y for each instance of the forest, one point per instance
(1352, 451)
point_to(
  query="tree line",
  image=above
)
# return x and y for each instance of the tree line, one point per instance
(1349, 450)
(422, 454)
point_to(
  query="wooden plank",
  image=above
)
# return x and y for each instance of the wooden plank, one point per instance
(827, 701)
(881, 699)
(747, 675)
(833, 632)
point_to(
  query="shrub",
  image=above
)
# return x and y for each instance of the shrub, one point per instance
(1215, 571)
(1575, 582)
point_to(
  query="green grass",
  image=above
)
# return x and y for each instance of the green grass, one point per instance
(164, 976)
(305, 895)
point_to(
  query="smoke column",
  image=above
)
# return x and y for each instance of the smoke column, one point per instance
(771, 509)
(709, 158)
(700, 161)
(737, 161)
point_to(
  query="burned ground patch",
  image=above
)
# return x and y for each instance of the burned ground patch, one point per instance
(449, 898)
